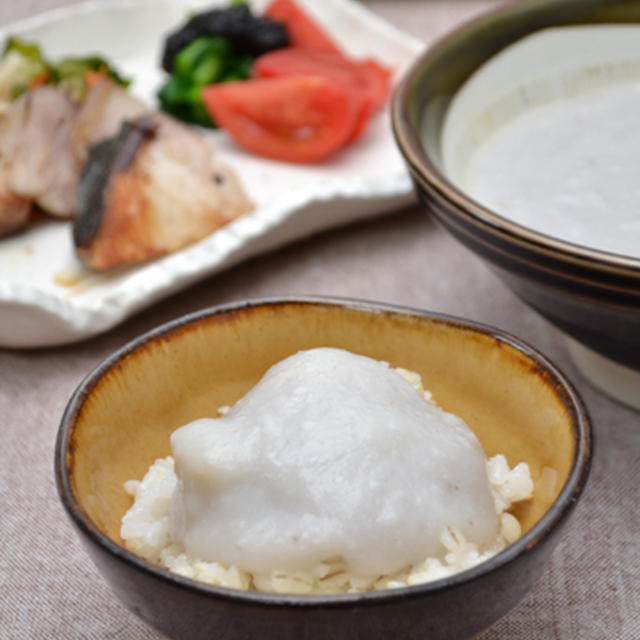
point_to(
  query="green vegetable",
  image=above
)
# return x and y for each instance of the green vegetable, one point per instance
(248, 33)
(26, 49)
(23, 66)
(73, 74)
(205, 60)
(216, 45)
(184, 102)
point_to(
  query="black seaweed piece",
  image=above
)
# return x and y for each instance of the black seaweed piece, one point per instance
(108, 156)
(248, 33)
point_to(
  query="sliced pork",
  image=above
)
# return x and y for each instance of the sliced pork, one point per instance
(36, 161)
(15, 211)
(101, 114)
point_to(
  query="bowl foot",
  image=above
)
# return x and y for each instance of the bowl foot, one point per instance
(620, 382)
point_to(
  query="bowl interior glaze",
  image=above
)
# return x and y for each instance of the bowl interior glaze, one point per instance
(123, 416)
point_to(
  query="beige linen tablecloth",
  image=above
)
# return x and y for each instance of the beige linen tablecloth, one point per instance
(49, 587)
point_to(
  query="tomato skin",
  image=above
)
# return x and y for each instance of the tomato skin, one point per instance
(302, 30)
(296, 119)
(378, 80)
(367, 79)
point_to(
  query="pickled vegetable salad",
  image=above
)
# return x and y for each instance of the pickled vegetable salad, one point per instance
(23, 67)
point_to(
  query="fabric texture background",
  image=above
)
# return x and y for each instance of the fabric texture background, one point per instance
(50, 589)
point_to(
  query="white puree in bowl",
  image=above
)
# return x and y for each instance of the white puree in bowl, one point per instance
(330, 454)
(545, 133)
(569, 168)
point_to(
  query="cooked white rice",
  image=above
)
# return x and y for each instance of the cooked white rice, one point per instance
(145, 531)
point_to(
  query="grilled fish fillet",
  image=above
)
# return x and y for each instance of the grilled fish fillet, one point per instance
(154, 188)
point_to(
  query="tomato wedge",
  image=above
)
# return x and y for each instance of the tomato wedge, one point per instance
(302, 30)
(296, 119)
(369, 80)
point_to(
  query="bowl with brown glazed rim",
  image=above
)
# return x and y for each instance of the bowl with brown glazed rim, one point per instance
(592, 295)
(120, 418)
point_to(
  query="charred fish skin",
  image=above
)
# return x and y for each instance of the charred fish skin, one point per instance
(115, 154)
(155, 188)
(90, 205)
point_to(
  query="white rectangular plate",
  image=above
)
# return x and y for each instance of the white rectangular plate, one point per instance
(45, 296)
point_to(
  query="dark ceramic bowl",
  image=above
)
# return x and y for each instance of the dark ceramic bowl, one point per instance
(593, 296)
(120, 418)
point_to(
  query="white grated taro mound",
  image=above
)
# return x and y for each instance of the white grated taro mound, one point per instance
(333, 474)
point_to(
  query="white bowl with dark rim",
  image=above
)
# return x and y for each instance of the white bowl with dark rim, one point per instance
(592, 295)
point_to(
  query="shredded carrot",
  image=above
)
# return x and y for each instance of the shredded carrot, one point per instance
(41, 78)
(92, 77)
